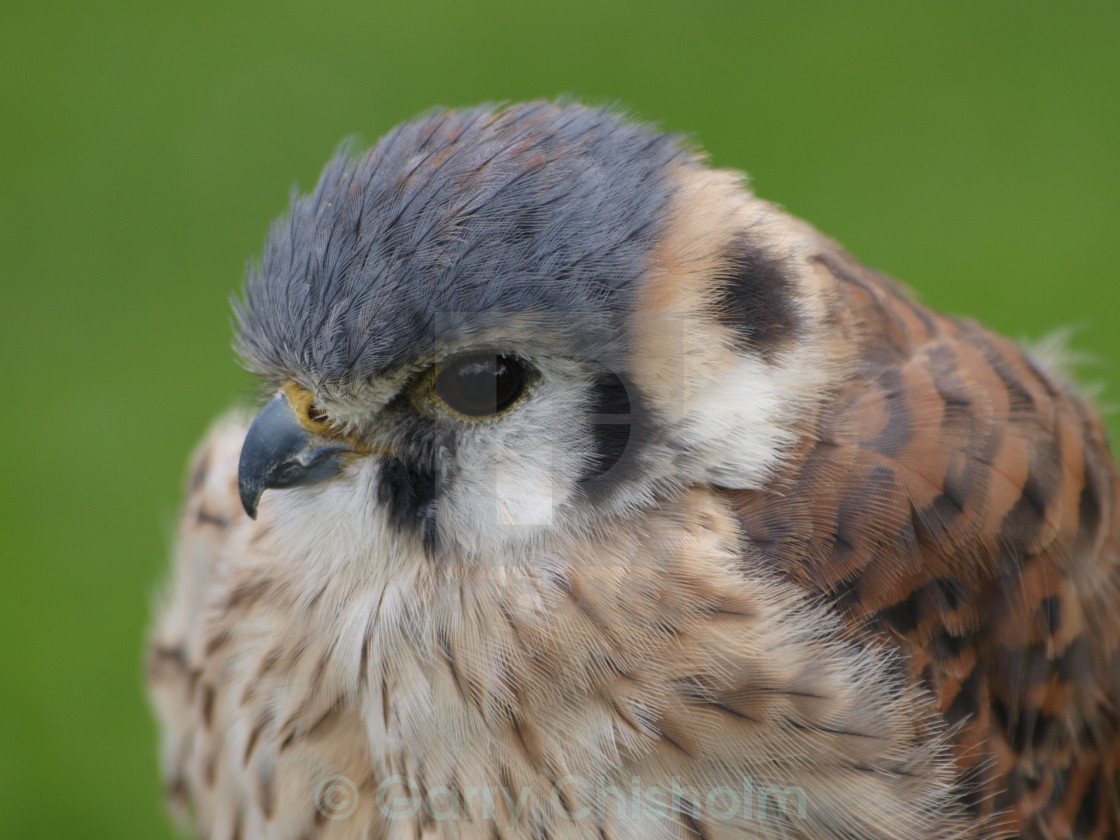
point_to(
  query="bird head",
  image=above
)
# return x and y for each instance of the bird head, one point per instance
(499, 325)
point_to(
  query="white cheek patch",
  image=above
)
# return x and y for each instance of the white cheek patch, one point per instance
(736, 414)
(502, 497)
(514, 477)
(739, 419)
(525, 499)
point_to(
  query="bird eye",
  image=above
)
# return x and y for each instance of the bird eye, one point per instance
(481, 384)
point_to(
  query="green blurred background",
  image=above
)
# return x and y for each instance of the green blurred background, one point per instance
(969, 148)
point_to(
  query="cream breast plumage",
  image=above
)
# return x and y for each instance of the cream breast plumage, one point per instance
(596, 497)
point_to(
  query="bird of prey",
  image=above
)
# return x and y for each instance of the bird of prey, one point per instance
(595, 498)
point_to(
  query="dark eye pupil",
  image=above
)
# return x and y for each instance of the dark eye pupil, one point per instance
(481, 384)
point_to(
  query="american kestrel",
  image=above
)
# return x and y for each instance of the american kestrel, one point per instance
(597, 498)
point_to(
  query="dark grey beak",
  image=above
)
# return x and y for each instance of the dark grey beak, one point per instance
(279, 452)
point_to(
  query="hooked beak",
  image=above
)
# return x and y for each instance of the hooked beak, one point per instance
(279, 452)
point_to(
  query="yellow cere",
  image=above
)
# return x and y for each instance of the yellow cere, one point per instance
(315, 420)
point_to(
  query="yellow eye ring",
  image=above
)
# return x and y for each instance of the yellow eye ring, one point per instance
(474, 386)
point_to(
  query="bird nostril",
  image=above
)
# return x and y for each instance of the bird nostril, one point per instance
(312, 416)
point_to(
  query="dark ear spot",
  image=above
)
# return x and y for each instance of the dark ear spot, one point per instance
(617, 429)
(610, 423)
(755, 298)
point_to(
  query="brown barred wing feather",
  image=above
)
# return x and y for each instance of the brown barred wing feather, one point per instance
(961, 501)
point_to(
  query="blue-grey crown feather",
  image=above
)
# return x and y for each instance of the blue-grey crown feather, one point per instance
(450, 223)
